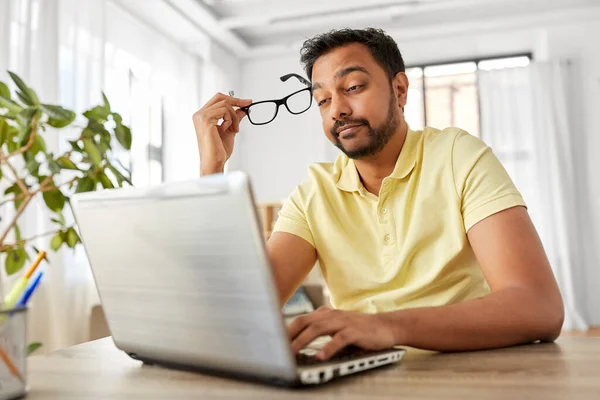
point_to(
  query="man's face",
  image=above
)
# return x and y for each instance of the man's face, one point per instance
(360, 108)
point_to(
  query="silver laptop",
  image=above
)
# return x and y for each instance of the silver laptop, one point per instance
(184, 280)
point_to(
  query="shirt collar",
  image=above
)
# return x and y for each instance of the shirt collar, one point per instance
(347, 175)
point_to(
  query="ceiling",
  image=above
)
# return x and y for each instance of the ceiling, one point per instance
(250, 28)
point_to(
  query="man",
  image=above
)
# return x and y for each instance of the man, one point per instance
(422, 238)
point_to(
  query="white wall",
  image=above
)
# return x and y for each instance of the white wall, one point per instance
(276, 156)
(170, 70)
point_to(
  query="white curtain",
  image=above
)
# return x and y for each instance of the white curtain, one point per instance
(68, 52)
(57, 47)
(525, 119)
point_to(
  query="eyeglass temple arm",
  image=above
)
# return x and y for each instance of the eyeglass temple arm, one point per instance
(300, 78)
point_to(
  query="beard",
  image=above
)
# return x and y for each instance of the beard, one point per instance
(377, 137)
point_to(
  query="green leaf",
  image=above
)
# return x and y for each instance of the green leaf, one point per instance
(57, 123)
(98, 113)
(32, 347)
(28, 156)
(17, 232)
(54, 199)
(4, 91)
(75, 146)
(11, 189)
(23, 135)
(10, 116)
(57, 241)
(106, 103)
(123, 134)
(105, 181)
(39, 144)
(61, 217)
(41, 179)
(54, 166)
(3, 131)
(10, 139)
(72, 238)
(97, 129)
(15, 259)
(89, 146)
(16, 190)
(12, 146)
(58, 117)
(33, 167)
(27, 95)
(10, 105)
(85, 184)
(118, 175)
(126, 178)
(18, 81)
(104, 146)
(24, 117)
(117, 118)
(24, 98)
(66, 163)
(33, 96)
(87, 134)
(18, 202)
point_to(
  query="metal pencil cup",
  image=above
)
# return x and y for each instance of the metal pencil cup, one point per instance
(13, 352)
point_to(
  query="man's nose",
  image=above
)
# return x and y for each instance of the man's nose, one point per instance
(339, 108)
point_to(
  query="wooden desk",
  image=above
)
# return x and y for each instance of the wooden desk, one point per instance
(568, 369)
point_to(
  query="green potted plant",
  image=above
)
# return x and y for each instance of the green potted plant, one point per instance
(28, 169)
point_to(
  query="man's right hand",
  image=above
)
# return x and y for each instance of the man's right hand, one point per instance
(215, 142)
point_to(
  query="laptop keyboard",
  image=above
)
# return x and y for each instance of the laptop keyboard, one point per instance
(307, 357)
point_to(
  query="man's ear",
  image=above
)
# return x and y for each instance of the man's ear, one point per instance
(400, 85)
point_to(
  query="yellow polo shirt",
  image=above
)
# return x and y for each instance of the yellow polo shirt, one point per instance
(407, 247)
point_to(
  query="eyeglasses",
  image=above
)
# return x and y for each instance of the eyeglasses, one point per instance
(263, 112)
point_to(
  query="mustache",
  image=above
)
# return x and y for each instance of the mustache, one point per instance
(339, 124)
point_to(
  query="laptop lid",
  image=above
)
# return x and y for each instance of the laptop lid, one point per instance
(183, 276)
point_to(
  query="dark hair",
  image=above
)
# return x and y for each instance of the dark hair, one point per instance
(383, 48)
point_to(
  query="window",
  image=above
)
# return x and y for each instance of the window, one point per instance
(130, 86)
(447, 94)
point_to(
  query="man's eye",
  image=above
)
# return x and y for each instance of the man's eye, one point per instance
(320, 103)
(352, 88)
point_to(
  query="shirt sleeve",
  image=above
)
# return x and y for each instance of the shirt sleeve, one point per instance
(482, 184)
(292, 216)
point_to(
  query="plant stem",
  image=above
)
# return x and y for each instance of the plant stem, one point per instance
(23, 241)
(14, 220)
(44, 183)
(18, 180)
(41, 189)
(34, 124)
(28, 198)
(13, 199)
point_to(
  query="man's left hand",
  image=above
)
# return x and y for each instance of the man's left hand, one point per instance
(367, 331)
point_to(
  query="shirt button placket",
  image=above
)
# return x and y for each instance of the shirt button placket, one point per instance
(384, 216)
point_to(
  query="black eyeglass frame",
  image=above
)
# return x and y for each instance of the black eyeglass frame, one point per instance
(283, 101)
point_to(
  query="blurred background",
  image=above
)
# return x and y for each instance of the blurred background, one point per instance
(523, 75)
